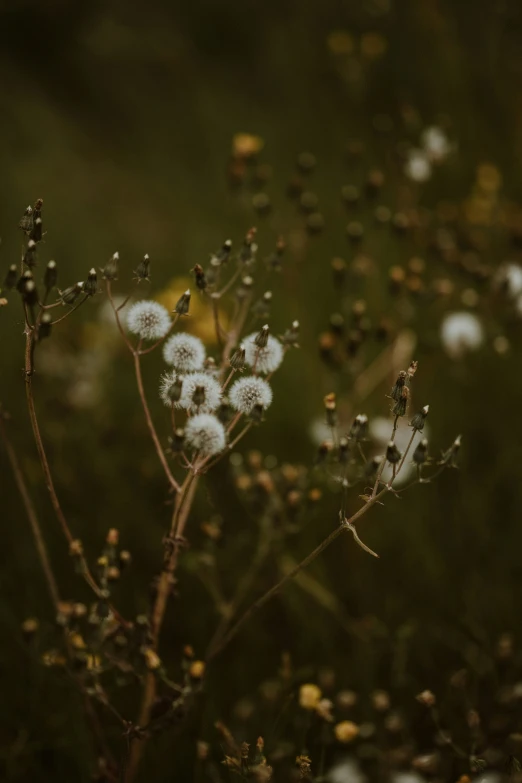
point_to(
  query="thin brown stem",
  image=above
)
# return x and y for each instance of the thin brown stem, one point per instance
(383, 461)
(213, 651)
(31, 515)
(161, 454)
(117, 316)
(67, 314)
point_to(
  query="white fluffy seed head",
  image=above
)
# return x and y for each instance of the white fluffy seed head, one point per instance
(248, 392)
(184, 352)
(168, 381)
(149, 320)
(211, 392)
(460, 333)
(205, 434)
(265, 359)
(417, 166)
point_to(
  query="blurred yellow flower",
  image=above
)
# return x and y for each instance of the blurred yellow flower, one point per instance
(373, 45)
(309, 696)
(346, 731)
(246, 145)
(340, 42)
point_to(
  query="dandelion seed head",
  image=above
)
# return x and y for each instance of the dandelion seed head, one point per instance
(210, 387)
(170, 388)
(205, 433)
(265, 359)
(149, 320)
(248, 392)
(184, 352)
(461, 332)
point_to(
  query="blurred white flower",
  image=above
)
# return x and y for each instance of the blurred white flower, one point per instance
(148, 319)
(184, 352)
(265, 359)
(248, 392)
(435, 143)
(205, 434)
(417, 166)
(346, 771)
(510, 276)
(209, 388)
(461, 332)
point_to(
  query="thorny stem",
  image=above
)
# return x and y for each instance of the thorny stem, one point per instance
(31, 515)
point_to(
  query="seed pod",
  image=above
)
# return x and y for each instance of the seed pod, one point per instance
(291, 336)
(261, 338)
(30, 293)
(359, 428)
(330, 405)
(393, 455)
(177, 442)
(420, 455)
(23, 280)
(44, 328)
(27, 220)
(142, 271)
(399, 409)
(50, 275)
(183, 304)
(237, 360)
(29, 257)
(36, 231)
(71, 294)
(199, 274)
(398, 386)
(110, 270)
(90, 287)
(419, 419)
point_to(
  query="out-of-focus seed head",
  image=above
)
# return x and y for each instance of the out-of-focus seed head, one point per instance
(274, 259)
(261, 203)
(339, 271)
(23, 280)
(177, 441)
(247, 253)
(449, 457)
(90, 286)
(291, 336)
(110, 270)
(37, 230)
(261, 308)
(337, 323)
(371, 467)
(142, 271)
(200, 277)
(393, 455)
(11, 277)
(315, 223)
(223, 254)
(330, 406)
(308, 202)
(205, 434)
(50, 275)
(27, 220)
(419, 419)
(30, 293)
(354, 232)
(306, 162)
(359, 429)
(350, 195)
(323, 452)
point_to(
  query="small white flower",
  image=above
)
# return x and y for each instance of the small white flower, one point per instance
(211, 392)
(170, 381)
(149, 320)
(265, 359)
(461, 332)
(248, 392)
(417, 166)
(205, 434)
(435, 143)
(184, 352)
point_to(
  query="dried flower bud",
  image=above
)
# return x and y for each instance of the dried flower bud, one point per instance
(237, 360)
(261, 339)
(71, 294)
(177, 442)
(30, 293)
(29, 257)
(330, 405)
(450, 456)
(90, 287)
(261, 308)
(110, 270)
(125, 558)
(419, 419)
(346, 731)
(27, 220)
(393, 455)
(36, 231)
(371, 467)
(350, 195)
(274, 259)
(183, 304)
(359, 428)
(323, 451)
(23, 280)
(45, 326)
(50, 275)
(427, 698)
(142, 271)
(396, 391)
(200, 277)
(291, 336)
(222, 255)
(399, 409)
(248, 250)
(344, 451)
(420, 455)
(11, 277)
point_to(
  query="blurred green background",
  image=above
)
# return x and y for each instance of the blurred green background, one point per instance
(121, 117)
